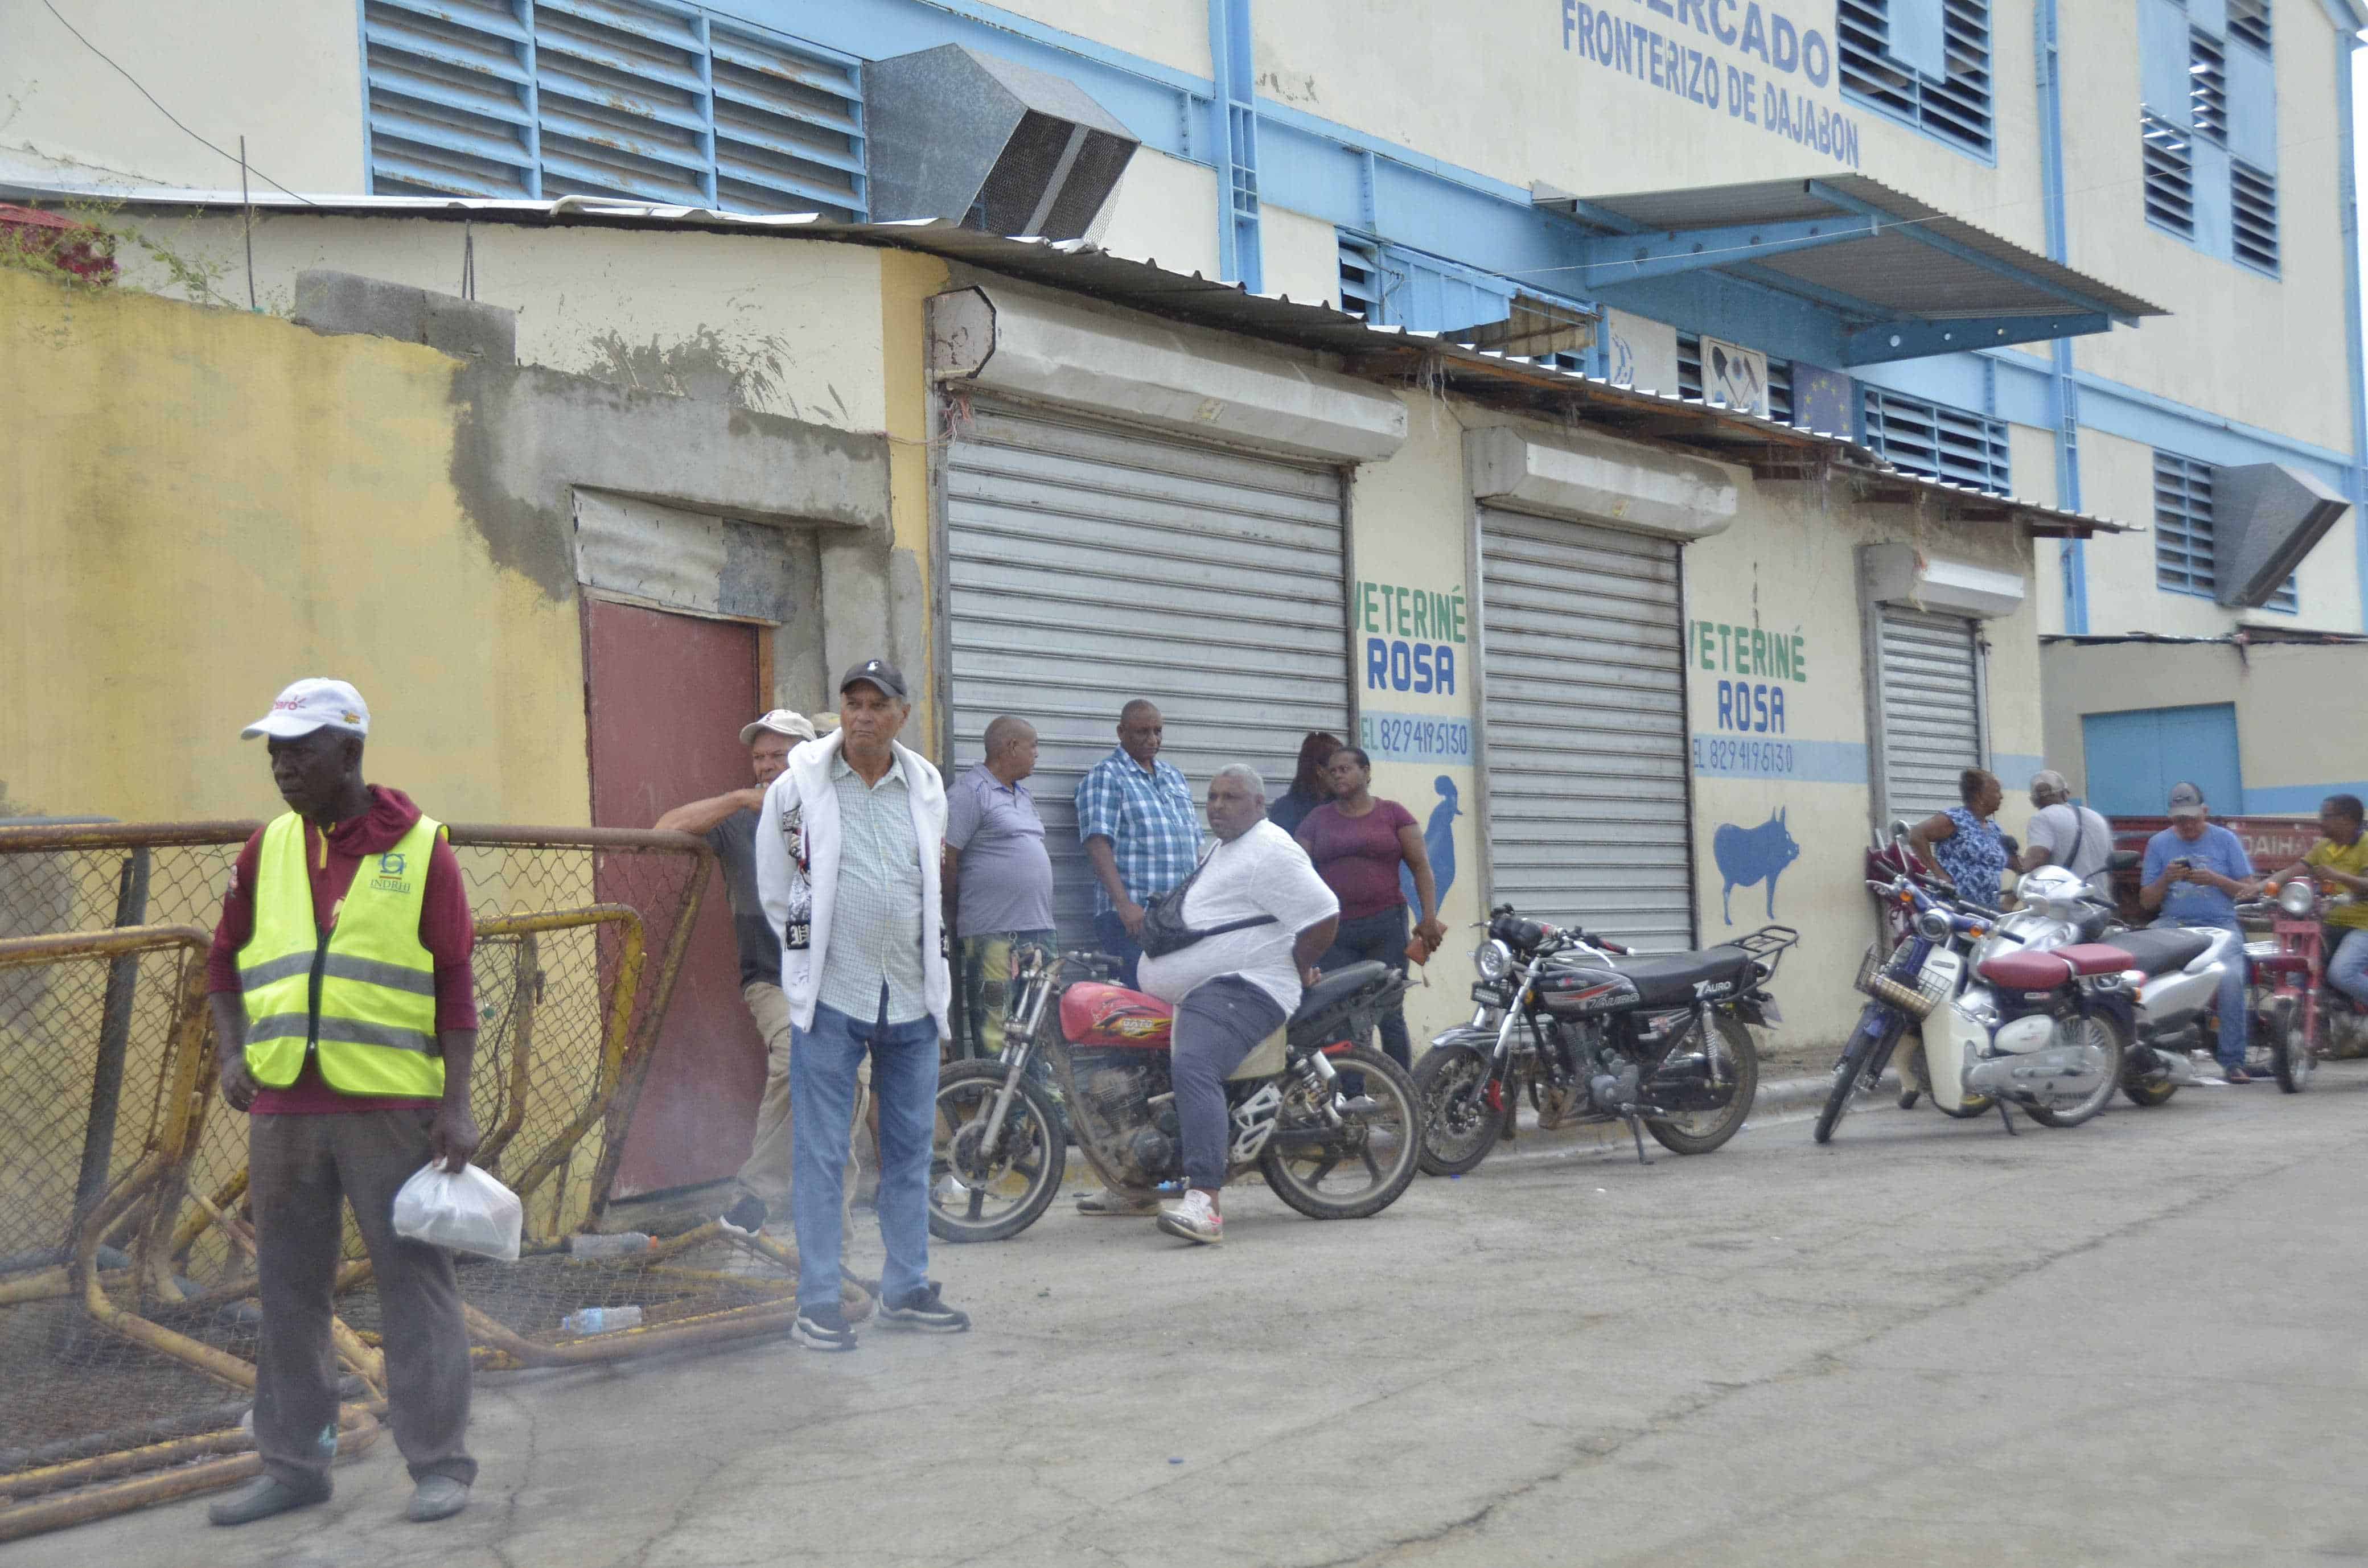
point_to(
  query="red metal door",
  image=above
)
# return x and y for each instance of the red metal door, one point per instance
(665, 698)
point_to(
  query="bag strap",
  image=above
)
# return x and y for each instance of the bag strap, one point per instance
(2079, 836)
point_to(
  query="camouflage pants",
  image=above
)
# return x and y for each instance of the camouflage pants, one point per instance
(985, 978)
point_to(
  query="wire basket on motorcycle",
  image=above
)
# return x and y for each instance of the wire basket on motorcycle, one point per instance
(1932, 987)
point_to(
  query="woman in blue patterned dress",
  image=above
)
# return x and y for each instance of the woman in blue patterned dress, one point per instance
(1964, 843)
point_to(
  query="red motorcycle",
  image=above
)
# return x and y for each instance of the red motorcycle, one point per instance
(1333, 1151)
(2302, 1017)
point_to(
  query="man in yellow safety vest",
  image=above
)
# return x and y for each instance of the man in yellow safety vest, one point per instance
(345, 1011)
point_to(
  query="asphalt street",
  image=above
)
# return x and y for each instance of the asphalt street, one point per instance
(2135, 1342)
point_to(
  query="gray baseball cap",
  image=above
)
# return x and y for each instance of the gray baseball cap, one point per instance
(2186, 801)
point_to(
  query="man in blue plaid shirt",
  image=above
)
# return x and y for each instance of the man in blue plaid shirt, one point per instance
(1141, 829)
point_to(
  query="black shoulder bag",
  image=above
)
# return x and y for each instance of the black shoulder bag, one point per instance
(1164, 930)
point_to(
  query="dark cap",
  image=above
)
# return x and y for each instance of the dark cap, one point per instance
(2186, 801)
(880, 673)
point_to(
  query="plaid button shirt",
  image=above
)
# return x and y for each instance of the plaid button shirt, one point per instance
(1150, 819)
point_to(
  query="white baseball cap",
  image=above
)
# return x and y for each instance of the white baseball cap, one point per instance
(782, 722)
(312, 704)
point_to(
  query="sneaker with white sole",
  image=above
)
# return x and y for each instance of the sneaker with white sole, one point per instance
(823, 1328)
(923, 1309)
(1118, 1203)
(1194, 1218)
(744, 1218)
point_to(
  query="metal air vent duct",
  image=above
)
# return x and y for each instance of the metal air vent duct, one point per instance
(2266, 518)
(981, 141)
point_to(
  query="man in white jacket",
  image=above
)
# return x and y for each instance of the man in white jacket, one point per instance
(847, 853)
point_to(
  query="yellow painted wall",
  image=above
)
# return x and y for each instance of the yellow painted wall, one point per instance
(202, 506)
(786, 325)
(906, 282)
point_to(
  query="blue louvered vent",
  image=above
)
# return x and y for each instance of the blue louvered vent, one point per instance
(2169, 176)
(1779, 377)
(2249, 20)
(2185, 560)
(2253, 215)
(1936, 440)
(639, 99)
(2207, 87)
(1361, 288)
(1955, 106)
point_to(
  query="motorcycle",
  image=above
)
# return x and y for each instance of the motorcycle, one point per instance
(999, 1154)
(2301, 1017)
(1932, 973)
(1596, 1033)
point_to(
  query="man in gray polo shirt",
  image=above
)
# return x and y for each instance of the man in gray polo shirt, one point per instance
(1000, 875)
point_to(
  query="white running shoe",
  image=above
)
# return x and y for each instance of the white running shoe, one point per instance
(1194, 1218)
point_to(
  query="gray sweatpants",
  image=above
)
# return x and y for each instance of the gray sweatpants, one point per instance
(1218, 1024)
(302, 1171)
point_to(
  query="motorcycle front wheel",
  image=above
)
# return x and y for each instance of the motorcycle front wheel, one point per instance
(1360, 1167)
(1459, 1125)
(978, 1194)
(1698, 1132)
(2290, 1052)
(2098, 1033)
(1879, 1028)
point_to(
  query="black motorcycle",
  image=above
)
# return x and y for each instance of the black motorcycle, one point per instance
(1595, 1033)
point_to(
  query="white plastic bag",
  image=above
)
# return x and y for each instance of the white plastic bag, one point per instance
(466, 1211)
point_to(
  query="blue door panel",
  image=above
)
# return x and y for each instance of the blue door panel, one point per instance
(2134, 758)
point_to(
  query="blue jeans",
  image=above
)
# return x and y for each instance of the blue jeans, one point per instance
(822, 1119)
(1110, 931)
(2235, 1005)
(1381, 935)
(2347, 966)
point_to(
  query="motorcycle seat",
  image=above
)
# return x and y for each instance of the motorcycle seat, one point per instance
(2052, 967)
(1336, 986)
(1668, 979)
(2158, 949)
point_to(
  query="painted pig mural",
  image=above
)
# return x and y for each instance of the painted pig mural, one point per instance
(1747, 856)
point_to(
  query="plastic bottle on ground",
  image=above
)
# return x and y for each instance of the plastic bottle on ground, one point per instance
(601, 1320)
(621, 1245)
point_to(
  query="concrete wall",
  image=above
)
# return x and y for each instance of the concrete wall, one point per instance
(1172, 33)
(1300, 255)
(1163, 210)
(286, 78)
(2290, 754)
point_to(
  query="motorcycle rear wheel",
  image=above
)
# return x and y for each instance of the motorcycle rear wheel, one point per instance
(2290, 1054)
(2101, 1032)
(1384, 1144)
(1701, 1131)
(977, 1197)
(1854, 1068)
(1459, 1125)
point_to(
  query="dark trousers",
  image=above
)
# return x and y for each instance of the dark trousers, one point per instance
(1382, 937)
(1219, 1023)
(1110, 931)
(302, 1171)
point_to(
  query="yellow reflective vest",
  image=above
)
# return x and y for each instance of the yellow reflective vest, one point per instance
(361, 995)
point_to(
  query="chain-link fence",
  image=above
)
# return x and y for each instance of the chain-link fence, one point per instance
(128, 1320)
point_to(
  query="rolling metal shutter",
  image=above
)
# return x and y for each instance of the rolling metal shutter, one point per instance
(1583, 652)
(1088, 564)
(1932, 720)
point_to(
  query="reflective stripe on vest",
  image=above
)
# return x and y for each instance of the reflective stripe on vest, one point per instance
(363, 997)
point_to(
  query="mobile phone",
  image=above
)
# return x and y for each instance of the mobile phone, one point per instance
(2183, 864)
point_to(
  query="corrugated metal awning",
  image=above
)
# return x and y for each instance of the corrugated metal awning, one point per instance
(1884, 251)
(1388, 354)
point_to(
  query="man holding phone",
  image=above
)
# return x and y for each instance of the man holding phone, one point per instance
(2195, 872)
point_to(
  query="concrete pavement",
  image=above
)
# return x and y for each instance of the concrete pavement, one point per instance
(2135, 1342)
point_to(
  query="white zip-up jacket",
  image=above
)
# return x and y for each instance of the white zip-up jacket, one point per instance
(797, 871)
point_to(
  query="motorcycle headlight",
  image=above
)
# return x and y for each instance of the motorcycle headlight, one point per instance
(1932, 925)
(2298, 897)
(1493, 960)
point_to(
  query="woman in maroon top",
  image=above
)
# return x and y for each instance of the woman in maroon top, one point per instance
(1359, 844)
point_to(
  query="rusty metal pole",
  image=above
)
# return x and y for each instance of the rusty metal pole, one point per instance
(114, 1037)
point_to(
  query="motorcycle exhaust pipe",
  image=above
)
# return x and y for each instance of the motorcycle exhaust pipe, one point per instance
(2066, 1072)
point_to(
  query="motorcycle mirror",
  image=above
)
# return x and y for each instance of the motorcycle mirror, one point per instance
(1899, 830)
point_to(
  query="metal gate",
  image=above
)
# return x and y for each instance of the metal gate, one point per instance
(1933, 724)
(1585, 767)
(1088, 564)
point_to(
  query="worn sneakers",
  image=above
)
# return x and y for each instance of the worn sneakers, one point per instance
(823, 1328)
(1118, 1203)
(744, 1218)
(437, 1497)
(1194, 1218)
(921, 1308)
(262, 1500)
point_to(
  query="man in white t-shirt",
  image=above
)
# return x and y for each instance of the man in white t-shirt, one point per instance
(2063, 833)
(1234, 988)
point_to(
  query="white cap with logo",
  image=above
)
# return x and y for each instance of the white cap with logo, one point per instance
(312, 704)
(780, 721)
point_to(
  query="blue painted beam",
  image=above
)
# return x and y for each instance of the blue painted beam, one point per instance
(1923, 234)
(1629, 258)
(1915, 338)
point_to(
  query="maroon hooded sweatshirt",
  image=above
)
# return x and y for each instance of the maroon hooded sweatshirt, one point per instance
(446, 930)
